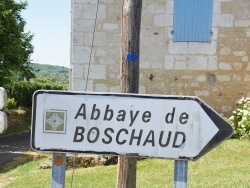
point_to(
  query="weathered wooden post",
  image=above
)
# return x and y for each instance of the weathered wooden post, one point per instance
(131, 22)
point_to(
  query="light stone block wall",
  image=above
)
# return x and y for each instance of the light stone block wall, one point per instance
(218, 72)
(101, 69)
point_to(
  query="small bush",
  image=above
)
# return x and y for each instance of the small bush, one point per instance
(11, 103)
(241, 119)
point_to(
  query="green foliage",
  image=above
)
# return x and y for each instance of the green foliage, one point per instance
(15, 44)
(56, 74)
(23, 91)
(44, 80)
(11, 103)
(241, 119)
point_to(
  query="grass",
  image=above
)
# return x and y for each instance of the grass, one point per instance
(225, 166)
(20, 111)
(14, 129)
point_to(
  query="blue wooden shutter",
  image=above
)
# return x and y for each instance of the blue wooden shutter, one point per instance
(193, 20)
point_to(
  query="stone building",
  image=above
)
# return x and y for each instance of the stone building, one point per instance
(174, 59)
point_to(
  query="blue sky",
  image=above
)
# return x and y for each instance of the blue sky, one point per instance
(49, 21)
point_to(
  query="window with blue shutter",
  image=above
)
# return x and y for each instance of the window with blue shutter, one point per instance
(192, 20)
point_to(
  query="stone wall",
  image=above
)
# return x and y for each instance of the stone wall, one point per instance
(217, 72)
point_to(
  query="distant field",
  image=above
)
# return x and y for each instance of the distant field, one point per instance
(227, 166)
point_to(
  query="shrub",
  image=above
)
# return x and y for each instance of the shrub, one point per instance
(23, 91)
(241, 119)
(11, 103)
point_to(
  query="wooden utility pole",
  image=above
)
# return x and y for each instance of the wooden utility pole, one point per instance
(131, 23)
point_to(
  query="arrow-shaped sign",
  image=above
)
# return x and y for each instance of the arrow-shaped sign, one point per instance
(3, 98)
(3, 122)
(175, 127)
(3, 116)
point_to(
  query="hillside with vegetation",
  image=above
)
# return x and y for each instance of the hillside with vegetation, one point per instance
(47, 77)
(57, 74)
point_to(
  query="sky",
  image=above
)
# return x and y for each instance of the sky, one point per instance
(49, 21)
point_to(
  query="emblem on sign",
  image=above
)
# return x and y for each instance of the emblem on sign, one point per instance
(55, 121)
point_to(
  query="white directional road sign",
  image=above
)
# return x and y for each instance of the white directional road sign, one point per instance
(174, 127)
(3, 98)
(3, 116)
(3, 122)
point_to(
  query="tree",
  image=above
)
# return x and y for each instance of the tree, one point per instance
(15, 44)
